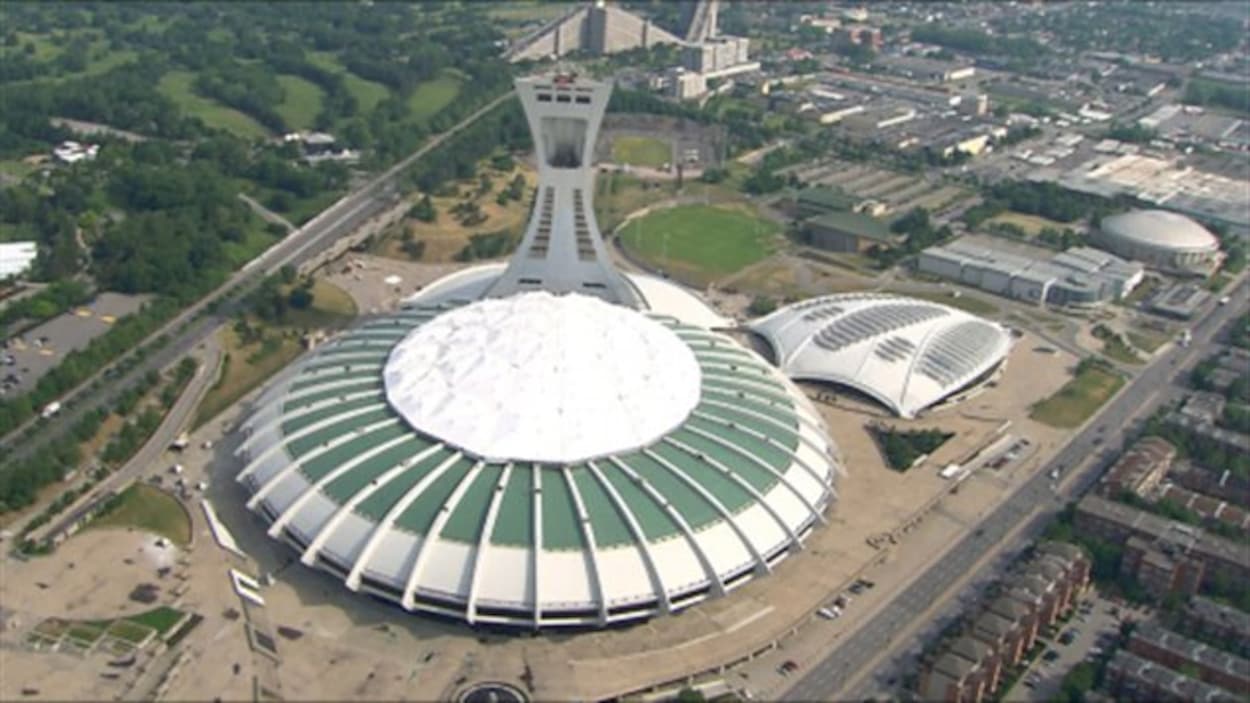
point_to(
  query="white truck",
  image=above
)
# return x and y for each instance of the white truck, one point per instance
(50, 410)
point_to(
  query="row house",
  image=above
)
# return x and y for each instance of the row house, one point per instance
(1217, 622)
(969, 667)
(1175, 651)
(1132, 678)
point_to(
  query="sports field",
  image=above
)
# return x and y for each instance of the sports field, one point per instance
(641, 151)
(700, 243)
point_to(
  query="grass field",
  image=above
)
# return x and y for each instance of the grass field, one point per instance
(432, 96)
(1115, 348)
(1031, 224)
(1078, 399)
(240, 375)
(302, 103)
(699, 243)
(964, 302)
(332, 307)
(176, 85)
(446, 237)
(161, 619)
(641, 151)
(1147, 341)
(147, 508)
(367, 93)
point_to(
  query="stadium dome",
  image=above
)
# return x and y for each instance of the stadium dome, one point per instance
(1159, 238)
(537, 460)
(907, 354)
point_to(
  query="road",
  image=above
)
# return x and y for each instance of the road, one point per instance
(199, 320)
(842, 673)
(208, 359)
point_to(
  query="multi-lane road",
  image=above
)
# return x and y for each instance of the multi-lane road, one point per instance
(847, 671)
(198, 321)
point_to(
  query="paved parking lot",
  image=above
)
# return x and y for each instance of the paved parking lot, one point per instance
(44, 346)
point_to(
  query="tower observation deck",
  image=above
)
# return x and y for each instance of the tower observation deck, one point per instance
(563, 251)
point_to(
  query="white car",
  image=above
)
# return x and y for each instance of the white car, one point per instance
(827, 614)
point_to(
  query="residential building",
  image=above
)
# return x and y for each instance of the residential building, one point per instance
(1226, 440)
(1215, 621)
(1116, 522)
(1132, 678)
(1141, 468)
(1152, 641)
(1161, 567)
(859, 35)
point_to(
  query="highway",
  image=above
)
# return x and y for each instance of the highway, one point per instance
(208, 358)
(197, 322)
(844, 672)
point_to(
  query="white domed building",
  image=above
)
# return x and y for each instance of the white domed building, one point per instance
(1160, 239)
(547, 443)
(907, 354)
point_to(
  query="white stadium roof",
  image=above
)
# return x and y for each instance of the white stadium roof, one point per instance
(908, 354)
(1161, 229)
(598, 378)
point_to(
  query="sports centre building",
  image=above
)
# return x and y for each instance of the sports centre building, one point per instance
(544, 443)
(905, 353)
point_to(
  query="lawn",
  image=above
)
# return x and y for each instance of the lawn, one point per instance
(1116, 349)
(1147, 341)
(641, 151)
(1078, 399)
(176, 85)
(302, 103)
(239, 375)
(432, 96)
(246, 367)
(699, 243)
(332, 307)
(161, 619)
(1031, 224)
(16, 168)
(146, 508)
(366, 92)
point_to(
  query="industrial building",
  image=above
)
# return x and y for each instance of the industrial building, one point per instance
(544, 444)
(1160, 239)
(907, 354)
(1079, 277)
(848, 232)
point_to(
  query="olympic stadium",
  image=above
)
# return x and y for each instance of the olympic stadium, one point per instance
(551, 442)
(547, 443)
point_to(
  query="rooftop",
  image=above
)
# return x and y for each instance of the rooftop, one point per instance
(539, 377)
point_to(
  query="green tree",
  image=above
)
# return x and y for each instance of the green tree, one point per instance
(424, 210)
